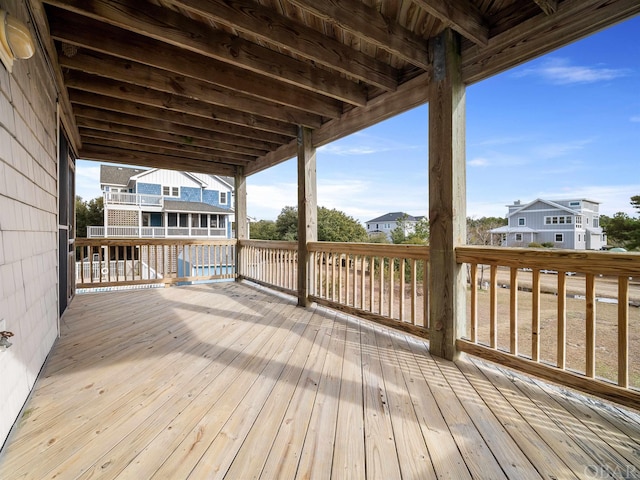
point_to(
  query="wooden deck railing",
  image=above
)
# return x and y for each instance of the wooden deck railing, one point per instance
(270, 263)
(118, 262)
(385, 283)
(569, 316)
(566, 315)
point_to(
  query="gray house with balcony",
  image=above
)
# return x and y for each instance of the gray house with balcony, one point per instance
(158, 203)
(572, 224)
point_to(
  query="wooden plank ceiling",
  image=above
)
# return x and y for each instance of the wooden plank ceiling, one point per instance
(210, 85)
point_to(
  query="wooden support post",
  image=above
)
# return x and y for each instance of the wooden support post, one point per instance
(240, 207)
(447, 195)
(307, 209)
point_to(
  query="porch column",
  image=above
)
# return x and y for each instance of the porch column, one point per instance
(447, 195)
(240, 207)
(307, 209)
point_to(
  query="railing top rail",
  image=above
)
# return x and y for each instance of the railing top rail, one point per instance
(419, 252)
(276, 244)
(585, 261)
(99, 242)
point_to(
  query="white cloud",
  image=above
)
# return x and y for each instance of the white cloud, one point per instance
(478, 162)
(635, 118)
(559, 71)
(366, 144)
(88, 179)
(555, 150)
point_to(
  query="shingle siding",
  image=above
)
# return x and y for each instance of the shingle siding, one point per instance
(190, 194)
(28, 225)
(149, 189)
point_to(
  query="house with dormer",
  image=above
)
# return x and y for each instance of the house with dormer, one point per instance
(159, 203)
(572, 224)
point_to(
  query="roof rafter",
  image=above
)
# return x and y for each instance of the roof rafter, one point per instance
(461, 15)
(189, 149)
(172, 28)
(145, 159)
(547, 6)
(80, 31)
(366, 22)
(119, 105)
(89, 84)
(179, 137)
(254, 19)
(230, 141)
(187, 88)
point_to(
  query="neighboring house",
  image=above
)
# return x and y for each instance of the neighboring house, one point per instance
(158, 203)
(572, 224)
(390, 221)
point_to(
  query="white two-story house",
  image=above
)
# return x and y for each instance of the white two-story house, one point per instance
(572, 224)
(156, 203)
(388, 222)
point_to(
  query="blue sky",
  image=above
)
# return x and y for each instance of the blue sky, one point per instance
(566, 125)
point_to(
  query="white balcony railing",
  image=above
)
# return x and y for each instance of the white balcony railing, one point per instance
(119, 198)
(155, 232)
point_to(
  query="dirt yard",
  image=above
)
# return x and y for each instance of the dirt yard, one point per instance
(606, 321)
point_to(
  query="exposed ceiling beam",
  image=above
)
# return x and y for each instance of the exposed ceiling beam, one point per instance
(188, 149)
(126, 92)
(175, 29)
(254, 19)
(139, 147)
(187, 88)
(573, 20)
(366, 22)
(547, 6)
(231, 141)
(178, 138)
(118, 105)
(132, 157)
(461, 15)
(80, 31)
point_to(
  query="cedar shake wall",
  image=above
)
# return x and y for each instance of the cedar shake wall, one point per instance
(28, 225)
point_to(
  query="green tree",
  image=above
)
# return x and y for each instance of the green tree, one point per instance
(287, 224)
(337, 226)
(333, 226)
(263, 230)
(417, 234)
(88, 214)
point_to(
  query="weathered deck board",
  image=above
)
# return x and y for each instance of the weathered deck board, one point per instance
(231, 381)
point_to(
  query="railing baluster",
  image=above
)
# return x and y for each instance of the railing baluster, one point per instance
(561, 360)
(513, 311)
(623, 331)
(493, 309)
(535, 317)
(474, 302)
(590, 326)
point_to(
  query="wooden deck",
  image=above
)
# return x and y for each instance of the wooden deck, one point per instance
(230, 381)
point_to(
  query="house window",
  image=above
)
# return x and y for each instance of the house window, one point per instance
(596, 222)
(172, 219)
(561, 220)
(204, 220)
(170, 191)
(195, 220)
(223, 198)
(574, 204)
(221, 222)
(559, 237)
(184, 220)
(518, 237)
(521, 222)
